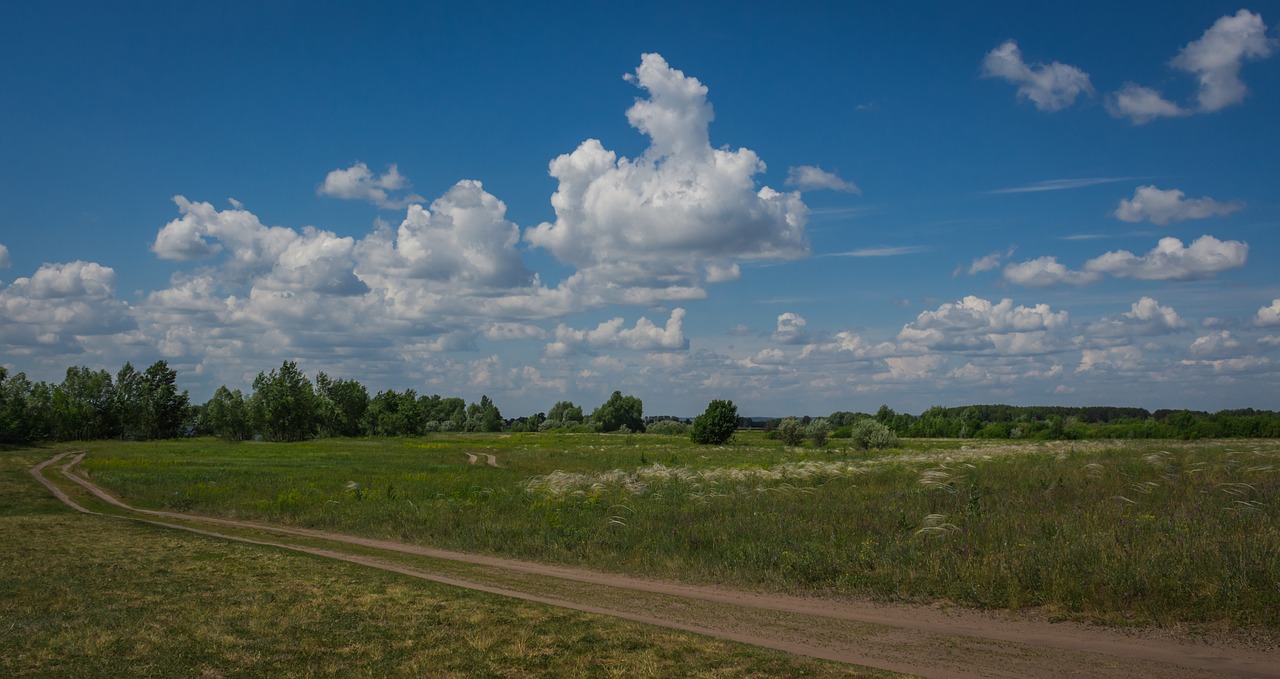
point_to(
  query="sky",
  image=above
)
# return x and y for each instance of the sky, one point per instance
(824, 207)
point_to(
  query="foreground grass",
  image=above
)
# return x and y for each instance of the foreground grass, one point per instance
(1154, 532)
(97, 596)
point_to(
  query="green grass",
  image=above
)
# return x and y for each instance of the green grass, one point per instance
(92, 596)
(1152, 532)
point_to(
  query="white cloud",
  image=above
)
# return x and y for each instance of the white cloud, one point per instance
(975, 324)
(984, 263)
(1172, 261)
(1051, 87)
(1045, 272)
(359, 183)
(611, 334)
(1268, 315)
(910, 368)
(658, 227)
(55, 307)
(1215, 344)
(1120, 359)
(1145, 317)
(1161, 206)
(1216, 57)
(1141, 104)
(1058, 185)
(1270, 340)
(4, 257)
(811, 178)
(463, 238)
(1214, 60)
(513, 331)
(790, 329)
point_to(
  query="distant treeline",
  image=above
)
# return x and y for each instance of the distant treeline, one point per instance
(1063, 422)
(285, 405)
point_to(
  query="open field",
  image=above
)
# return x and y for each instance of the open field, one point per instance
(1121, 533)
(84, 595)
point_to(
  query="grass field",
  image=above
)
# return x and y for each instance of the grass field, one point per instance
(1120, 533)
(92, 596)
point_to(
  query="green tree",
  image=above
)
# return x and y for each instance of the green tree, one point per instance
(284, 404)
(566, 412)
(716, 424)
(83, 405)
(342, 404)
(620, 411)
(166, 406)
(226, 415)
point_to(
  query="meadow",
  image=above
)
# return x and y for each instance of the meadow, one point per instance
(1152, 532)
(101, 596)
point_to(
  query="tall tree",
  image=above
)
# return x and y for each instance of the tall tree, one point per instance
(226, 415)
(716, 424)
(284, 404)
(167, 406)
(620, 411)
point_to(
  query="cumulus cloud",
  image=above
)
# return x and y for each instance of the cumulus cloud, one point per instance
(984, 263)
(658, 227)
(1045, 272)
(976, 324)
(810, 178)
(60, 303)
(1216, 57)
(1215, 60)
(1145, 317)
(1215, 344)
(4, 257)
(1162, 207)
(1172, 261)
(612, 334)
(464, 237)
(790, 329)
(513, 331)
(359, 183)
(1268, 315)
(1050, 87)
(1141, 104)
(1119, 359)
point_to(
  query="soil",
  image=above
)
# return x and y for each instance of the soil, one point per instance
(933, 641)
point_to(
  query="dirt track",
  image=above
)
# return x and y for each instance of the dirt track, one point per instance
(929, 641)
(490, 460)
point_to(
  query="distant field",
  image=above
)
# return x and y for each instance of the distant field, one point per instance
(1111, 532)
(88, 596)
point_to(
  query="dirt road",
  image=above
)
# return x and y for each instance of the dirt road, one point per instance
(924, 640)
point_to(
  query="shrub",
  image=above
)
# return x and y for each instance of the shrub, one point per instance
(790, 431)
(668, 428)
(716, 424)
(818, 431)
(870, 434)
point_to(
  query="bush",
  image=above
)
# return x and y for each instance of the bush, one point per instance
(716, 424)
(790, 431)
(818, 431)
(870, 434)
(668, 428)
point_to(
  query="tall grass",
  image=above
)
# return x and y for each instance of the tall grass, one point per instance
(1150, 532)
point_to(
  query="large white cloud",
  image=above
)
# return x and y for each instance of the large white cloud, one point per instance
(359, 183)
(1215, 60)
(51, 310)
(1050, 87)
(1045, 272)
(976, 324)
(1170, 260)
(1161, 206)
(463, 238)
(1268, 315)
(659, 226)
(612, 334)
(1216, 57)
(1145, 317)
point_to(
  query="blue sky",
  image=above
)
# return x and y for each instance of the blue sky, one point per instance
(822, 208)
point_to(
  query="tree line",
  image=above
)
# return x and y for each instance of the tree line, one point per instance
(286, 405)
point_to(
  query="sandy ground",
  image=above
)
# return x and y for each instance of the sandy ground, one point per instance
(932, 641)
